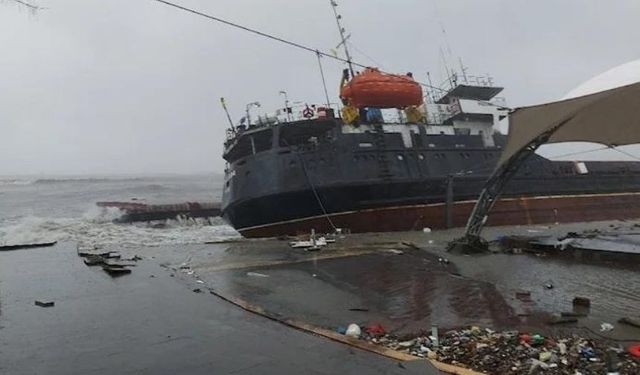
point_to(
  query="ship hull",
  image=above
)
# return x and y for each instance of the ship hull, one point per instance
(507, 211)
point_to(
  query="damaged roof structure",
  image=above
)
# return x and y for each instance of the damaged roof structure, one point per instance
(610, 117)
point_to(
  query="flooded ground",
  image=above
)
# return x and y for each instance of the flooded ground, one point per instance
(364, 279)
(148, 322)
(406, 282)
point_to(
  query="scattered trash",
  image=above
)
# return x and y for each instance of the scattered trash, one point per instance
(353, 330)
(426, 230)
(562, 320)
(606, 327)
(523, 295)
(45, 304)
(582, 301)
(395, 251)
(410, 245)
(256, 274)
(200, 281)
(548, 286)
(630, 321)
(375, 330)
(435, 338)
(341, 330)
(572, 314)
(197, 290)
(634, 350)
(511, 352)
(313, 244)
(358, 309)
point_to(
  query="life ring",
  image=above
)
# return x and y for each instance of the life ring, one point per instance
(634, 350)
(307, 113)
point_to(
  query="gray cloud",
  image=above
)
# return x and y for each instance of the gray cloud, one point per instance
(95, 86)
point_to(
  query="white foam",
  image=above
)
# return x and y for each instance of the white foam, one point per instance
(95, 227)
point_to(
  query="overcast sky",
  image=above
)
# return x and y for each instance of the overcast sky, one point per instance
(133, 86)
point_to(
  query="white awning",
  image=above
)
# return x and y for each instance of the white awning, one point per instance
(609, 117)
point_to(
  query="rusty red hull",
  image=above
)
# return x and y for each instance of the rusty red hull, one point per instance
(508, 211)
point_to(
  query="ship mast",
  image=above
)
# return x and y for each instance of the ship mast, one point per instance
(343, 38)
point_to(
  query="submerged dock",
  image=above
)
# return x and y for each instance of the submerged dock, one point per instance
(136, 211)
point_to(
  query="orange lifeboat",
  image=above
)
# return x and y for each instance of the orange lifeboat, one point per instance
(373, 88)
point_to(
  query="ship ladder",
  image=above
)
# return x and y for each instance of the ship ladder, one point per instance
(381, 146)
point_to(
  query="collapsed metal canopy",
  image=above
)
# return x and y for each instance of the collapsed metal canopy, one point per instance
(609, 117)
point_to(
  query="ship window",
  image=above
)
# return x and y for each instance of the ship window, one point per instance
(263, 140)
(420, 156)
(400, 157)
(365, 144)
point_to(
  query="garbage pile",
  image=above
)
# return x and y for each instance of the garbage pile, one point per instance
(512, 352)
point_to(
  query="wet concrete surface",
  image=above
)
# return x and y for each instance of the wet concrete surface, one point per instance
(149, 322)
(410, 292)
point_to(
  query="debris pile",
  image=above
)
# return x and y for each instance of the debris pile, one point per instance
(513, 352)
(111, 262)
(314, 243)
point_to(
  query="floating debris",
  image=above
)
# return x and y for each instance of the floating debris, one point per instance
(45, 304)
(115, 270)
(256, 274)
(26, 246)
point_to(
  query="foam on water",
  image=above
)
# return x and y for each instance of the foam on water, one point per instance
(96, 227)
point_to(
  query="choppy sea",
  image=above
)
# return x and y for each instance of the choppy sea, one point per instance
(64, 209)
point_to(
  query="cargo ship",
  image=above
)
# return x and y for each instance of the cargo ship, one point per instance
(393, 156)
(370, 174)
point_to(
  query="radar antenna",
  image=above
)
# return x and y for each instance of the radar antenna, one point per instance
(343, 38)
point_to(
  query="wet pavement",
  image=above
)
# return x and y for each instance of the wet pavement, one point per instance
(410, 292)
(149, 322)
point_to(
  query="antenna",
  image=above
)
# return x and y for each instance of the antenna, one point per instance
(463, 69)
(224, 106)
(343, 38)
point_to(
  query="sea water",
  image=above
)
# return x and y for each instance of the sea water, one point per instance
(57, 208)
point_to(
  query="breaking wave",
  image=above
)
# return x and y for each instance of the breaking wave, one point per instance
(41, 181)
(96, 227)
(70, 180)
(15, 182)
